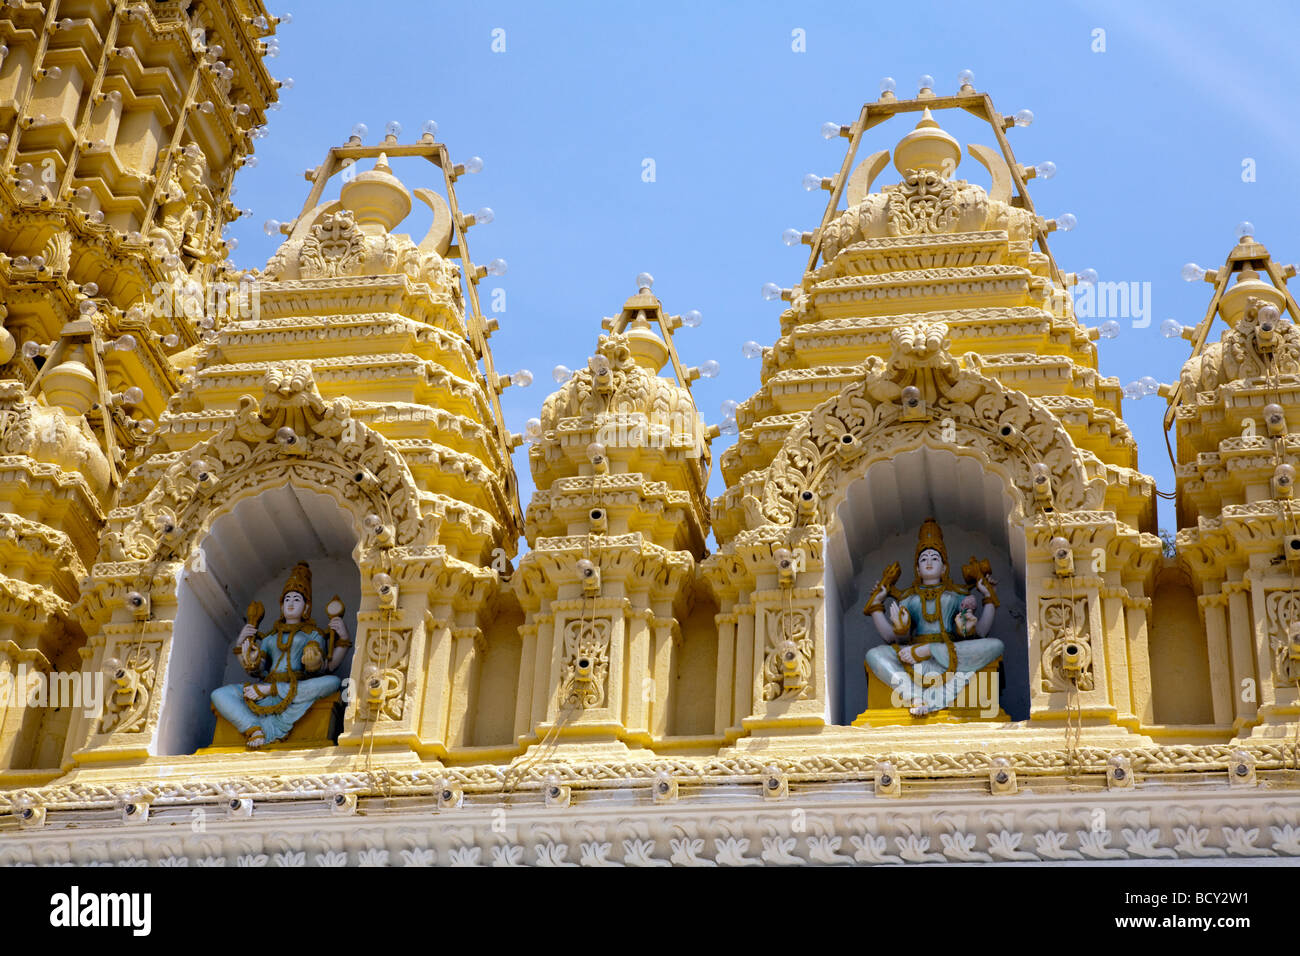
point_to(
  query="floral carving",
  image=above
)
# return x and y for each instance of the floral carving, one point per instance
(127, 705)
(383, 674)
(1282, 612)
(586, 662)
(923, 202)
(1064, 625)
(788, 663)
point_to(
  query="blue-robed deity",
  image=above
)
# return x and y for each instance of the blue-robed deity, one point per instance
(935, 632)
(290, 664)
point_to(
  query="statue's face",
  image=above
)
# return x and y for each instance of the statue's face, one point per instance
(292, 606)
(930, 566)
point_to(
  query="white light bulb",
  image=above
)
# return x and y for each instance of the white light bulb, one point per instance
(497, 267)
(925, 82)
(125, 343)
(271, 227)
(830, 130)
(1109, 329)
(1066, 221)
(812, 182)
(729, 408)
(133, 395)
(751, 350)
(692, 319)
(966, 78)
(1149, 384)
(533, 429)
(561, 374)
(644, 281)
(771, 291)
(710, 369)
(1192, 272)
(171, 340)
(286, 18)
(887, 84)
(474, 164)
(92, 289)
(1171, 329)
(1134, 391)
(393, 128)
(791, 237)
(1267, 313)
(251, 162)
(1086, 276)
(522, 378)
(1045, 170)
(728, 426)
(360, 130)
(287, 83)
(429, 128)
(484, 216)
(1245, 230)
(1024, 117)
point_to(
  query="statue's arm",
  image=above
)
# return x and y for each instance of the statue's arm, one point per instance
(251, 656)
(985, 623)
(342, 642)
(883, 627)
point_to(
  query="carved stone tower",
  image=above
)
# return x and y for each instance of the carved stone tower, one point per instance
(127, 122)
(621, 461)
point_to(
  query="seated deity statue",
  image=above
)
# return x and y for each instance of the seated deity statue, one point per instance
(935, 633)
(291, 665)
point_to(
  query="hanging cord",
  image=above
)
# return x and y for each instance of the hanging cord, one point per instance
(369, 738)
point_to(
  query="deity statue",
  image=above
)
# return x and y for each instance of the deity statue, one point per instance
(935, 632)
(290, 664)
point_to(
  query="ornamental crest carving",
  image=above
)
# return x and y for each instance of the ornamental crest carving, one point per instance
(1253, 348)
(924, 202)
(289, 433)
(586, 662)
(953, 405)
(333, 248)
(788, 663)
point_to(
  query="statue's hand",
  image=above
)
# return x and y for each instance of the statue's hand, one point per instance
(339, 628)
(247, 631)
(905, 655)
(900, 619)
(983, 586)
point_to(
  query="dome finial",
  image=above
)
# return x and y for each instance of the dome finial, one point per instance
(927, 147)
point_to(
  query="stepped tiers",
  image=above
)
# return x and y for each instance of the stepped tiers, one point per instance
(331, 424)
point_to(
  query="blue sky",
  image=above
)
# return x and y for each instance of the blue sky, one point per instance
(1149, 137)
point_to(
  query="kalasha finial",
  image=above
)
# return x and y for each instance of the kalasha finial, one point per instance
(927, 147)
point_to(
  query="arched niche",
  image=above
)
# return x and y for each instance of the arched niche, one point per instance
(246, 556)
(876, 523)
